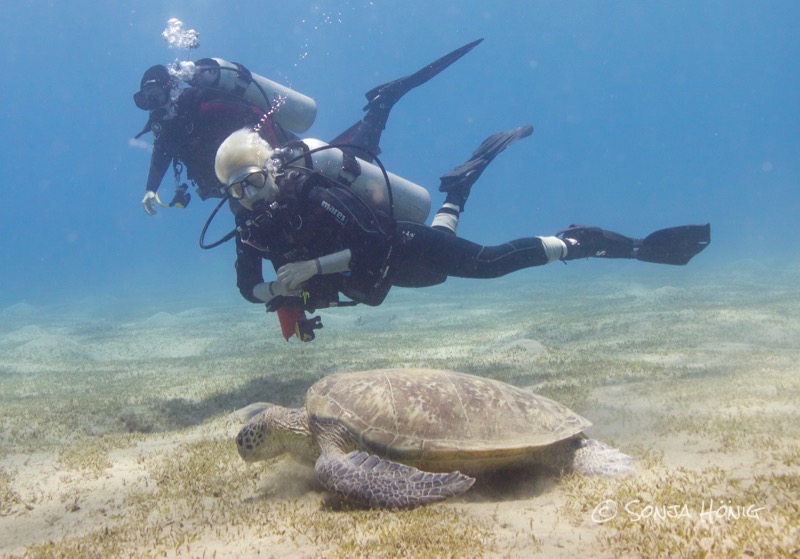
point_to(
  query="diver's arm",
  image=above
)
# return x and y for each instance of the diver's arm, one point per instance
(333, 263)
(159, 163)
(248, 272)
(291, 276)
(266, 291)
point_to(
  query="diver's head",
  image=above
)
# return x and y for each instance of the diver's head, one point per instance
(241, 165)
(154, 90)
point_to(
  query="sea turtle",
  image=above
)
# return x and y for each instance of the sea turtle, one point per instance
(384, 438)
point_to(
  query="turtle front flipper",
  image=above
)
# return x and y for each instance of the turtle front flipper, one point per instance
(369, 480)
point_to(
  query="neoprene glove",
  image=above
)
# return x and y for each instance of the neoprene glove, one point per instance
(149, 203)
(291, 276)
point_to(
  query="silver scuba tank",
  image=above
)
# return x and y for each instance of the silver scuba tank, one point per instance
(292, 110)
(411, 202)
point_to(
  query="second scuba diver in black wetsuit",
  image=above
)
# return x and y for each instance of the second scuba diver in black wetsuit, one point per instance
(188, 125)
(313, 226)
(191, 116)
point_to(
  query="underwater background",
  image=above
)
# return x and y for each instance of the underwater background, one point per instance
(125, 348)
(646, 115)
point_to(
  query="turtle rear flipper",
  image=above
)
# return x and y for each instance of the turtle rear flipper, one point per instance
(371, 481)
(587, 457)
(593, 457)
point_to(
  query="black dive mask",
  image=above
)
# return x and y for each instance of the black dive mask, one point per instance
(151, 96)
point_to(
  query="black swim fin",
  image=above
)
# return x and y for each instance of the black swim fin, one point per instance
(380, 100)
(675, 245)
(389, 93)
(459, 181)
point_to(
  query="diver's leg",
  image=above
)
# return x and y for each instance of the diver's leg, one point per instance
(427, 252)
(420, 253)
(458, 182)
(675, 245)
(447, 218)
(380, 100)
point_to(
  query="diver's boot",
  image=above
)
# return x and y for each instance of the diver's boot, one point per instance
(366, 133)
(675, 245)
(458, 182)
(593, 242)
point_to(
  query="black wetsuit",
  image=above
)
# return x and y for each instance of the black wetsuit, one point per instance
(423, 256)
(204, 118)
(315, 216)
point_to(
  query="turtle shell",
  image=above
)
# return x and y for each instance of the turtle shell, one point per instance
(440, 420)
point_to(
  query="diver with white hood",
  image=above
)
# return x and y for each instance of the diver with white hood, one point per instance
(328, 232)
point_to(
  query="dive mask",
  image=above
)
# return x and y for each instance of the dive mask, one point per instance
(152, 96)
(255, 177)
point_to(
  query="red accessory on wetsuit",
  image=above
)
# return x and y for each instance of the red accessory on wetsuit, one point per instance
(289, 316)
(295, 323)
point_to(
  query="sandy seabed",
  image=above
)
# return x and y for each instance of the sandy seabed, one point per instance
(116, 423)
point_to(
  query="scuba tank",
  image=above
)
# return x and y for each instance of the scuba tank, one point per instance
(406, 201)
(292, 110)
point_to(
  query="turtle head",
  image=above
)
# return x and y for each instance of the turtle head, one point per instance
(275, 431)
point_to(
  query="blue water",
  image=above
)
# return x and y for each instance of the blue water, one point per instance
(646, 115)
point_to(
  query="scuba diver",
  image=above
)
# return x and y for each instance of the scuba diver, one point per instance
(328, 233)
(189, 123)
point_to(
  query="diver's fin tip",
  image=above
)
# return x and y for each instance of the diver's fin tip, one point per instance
(675, 245)
(390, 92)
